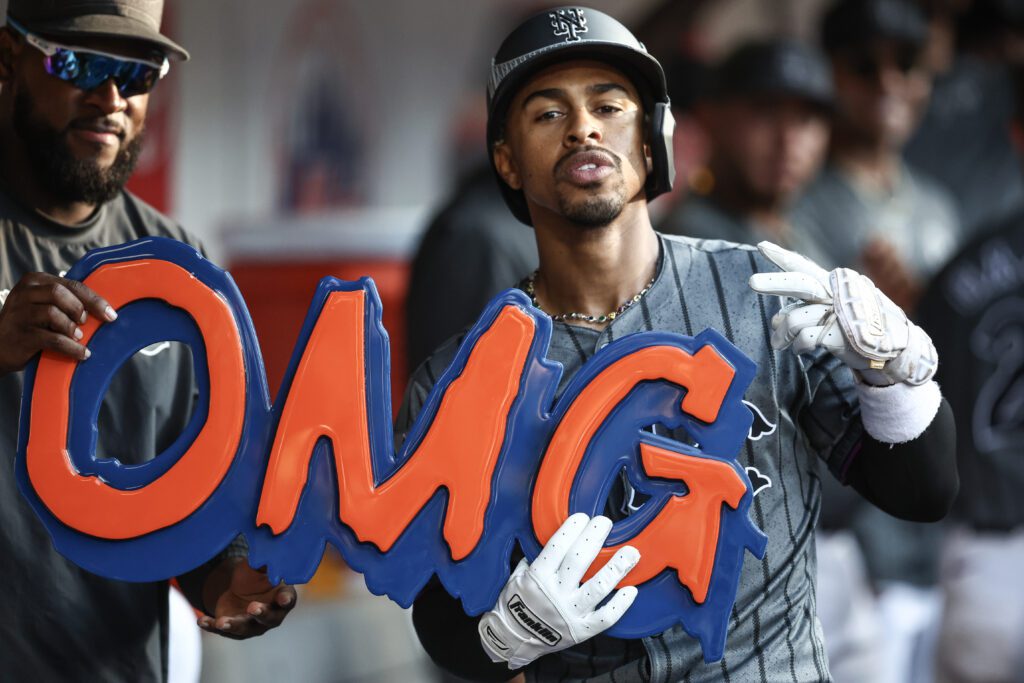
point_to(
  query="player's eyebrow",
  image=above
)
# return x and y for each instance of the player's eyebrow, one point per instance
(546, 93)
(602, 88)
(560, 94)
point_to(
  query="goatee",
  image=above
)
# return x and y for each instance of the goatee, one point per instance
(55, 167)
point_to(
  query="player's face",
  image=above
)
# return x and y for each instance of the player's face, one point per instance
(882, 92)
(773, 146)
(574, 143)
(88, 138)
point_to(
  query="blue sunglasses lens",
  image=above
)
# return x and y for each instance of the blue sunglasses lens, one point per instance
(87, 71)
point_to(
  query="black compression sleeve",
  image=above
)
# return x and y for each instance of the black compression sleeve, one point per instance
(916, 480)
(450, 637)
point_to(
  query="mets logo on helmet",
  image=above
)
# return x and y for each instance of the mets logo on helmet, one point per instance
(569, 23)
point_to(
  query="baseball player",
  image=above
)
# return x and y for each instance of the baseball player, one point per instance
(579, 134)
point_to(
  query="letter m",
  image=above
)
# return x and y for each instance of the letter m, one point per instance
(338, 391)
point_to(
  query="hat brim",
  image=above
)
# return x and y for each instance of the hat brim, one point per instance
(109, 26)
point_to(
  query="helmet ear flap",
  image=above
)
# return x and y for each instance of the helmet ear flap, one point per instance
(663, 125)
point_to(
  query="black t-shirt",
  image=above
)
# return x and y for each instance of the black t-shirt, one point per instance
(974, 311)
(59, 621)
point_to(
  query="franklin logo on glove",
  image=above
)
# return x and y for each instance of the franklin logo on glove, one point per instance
(531, 621)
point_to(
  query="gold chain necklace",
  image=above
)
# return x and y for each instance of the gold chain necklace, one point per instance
(599, 319)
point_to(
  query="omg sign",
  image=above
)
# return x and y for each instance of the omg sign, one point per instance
(492, 461)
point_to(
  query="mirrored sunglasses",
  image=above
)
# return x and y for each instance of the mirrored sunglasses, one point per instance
(88, 69)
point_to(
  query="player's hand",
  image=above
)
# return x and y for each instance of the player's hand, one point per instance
(843, 312)
(43, 312)
(243, 602)
(543, 608)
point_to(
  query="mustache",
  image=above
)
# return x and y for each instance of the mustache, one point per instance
(99, 124)
(589, 149)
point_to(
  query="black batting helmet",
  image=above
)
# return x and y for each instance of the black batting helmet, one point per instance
(565, 33)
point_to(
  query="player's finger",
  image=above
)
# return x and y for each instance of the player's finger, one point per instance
(798, 285)
(583, 552)
(807, 340)
(53, 292)
(242, 626)
(48, 317)
(270, 614)
(798, 318)
(59, 343)
(604, 581)
(95, 305)
(607, 616)
(558, 545)
(831, 336)
(792, 261)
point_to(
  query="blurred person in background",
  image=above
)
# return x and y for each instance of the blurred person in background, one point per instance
(74, 82)
(493, 251)
(869, 209)
(976, 307)
(964, 138)
(767, 118)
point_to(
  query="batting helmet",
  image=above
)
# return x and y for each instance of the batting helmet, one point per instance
(566, 33)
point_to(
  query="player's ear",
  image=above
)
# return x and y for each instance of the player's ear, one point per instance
(648, 155)
(506, 165)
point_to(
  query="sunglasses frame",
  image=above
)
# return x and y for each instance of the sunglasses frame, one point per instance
(51, 48)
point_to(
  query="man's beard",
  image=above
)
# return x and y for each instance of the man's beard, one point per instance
(595, 211)
(55, 167)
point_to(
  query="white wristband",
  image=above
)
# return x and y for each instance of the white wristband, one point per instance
(900, 412)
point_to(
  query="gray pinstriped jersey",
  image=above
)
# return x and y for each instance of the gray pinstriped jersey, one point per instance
(810, 414)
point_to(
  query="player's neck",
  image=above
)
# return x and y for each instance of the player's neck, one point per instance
(595, 270)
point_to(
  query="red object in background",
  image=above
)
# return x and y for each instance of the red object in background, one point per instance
(152, 180)
(278, 296)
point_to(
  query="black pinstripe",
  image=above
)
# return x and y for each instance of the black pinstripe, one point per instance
(680, 293)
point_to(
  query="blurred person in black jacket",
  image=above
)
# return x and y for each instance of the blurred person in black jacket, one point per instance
(976, 306)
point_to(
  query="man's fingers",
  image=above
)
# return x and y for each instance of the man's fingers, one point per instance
(558, 545)
(59, 343)
(271, 614)
(95, 305)
(47, 317)
(236, 628)
(605, 618)
(794, 319)
(605, 581)
(797, 285)
(807, 339)
(583, 552)
(53, 292)
(791, 261)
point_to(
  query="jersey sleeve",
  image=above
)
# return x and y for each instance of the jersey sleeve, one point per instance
(830, 418)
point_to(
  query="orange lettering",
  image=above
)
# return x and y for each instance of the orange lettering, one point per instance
(88, 504)
(459, 451)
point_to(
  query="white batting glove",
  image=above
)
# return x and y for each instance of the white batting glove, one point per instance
(843, 312)
(543, 608)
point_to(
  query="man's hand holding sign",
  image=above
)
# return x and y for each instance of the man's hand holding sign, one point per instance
(544, 609)
(44, 312)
